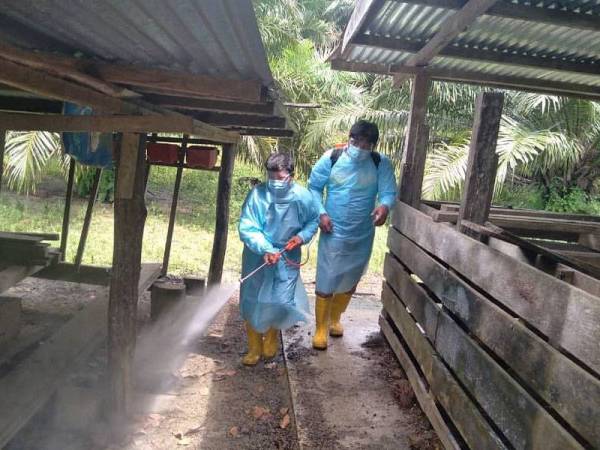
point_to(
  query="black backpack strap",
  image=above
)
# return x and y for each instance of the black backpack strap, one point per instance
(376, 159)
(337, 152)
(335, 155)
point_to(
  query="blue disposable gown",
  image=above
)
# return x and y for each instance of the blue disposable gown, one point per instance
(275, 296)
(353, 187)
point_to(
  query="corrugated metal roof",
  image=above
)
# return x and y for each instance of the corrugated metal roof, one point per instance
(415, 24)
(218, 38)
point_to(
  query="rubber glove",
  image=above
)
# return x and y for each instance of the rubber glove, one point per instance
(271, 258)
(294, 242)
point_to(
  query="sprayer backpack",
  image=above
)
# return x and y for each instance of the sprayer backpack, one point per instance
(336, 153)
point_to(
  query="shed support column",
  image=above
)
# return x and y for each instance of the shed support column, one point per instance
(130, 217)
(217, 258)
(415, 145)
(2, 148)
(88, 218)
(64, 235)
(483, 160)
(174, 201)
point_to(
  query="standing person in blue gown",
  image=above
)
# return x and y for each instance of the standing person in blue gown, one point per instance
(277, 214)
(361, 189)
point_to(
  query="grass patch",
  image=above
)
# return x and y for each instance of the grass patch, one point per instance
(194, 226)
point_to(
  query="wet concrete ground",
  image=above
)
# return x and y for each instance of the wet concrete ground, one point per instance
(354, 395)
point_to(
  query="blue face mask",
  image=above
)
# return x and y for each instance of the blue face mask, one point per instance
(279, 187)
(356, 153)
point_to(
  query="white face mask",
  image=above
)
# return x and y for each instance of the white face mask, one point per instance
(279, 187)
(356, 153)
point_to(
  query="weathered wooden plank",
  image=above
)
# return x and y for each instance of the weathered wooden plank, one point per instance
(27, 388)
(448, 30)
(108, 124)
(217, 257)
(64, 233)
(415, 144)
(94, 275)
(130, 217)
(473, 427)
(566, 314)
(529, 12)
(2, 148)
(522, 421)
(517, 212)
(483, 159)
(87, 220)
(359, 16)
(425, 399)
(174, 201)
(570, 390)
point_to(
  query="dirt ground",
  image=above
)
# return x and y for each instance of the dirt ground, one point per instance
(211, 401)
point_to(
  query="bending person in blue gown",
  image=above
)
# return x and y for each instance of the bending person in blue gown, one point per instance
(361, 189)
(277, 214)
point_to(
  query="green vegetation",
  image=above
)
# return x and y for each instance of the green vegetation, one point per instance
(193, 236)
(548, 146)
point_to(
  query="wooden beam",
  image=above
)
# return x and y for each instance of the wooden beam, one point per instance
(217, 258)
(64, 233)
(363, 9)
(269, 132)
(419, 385)
(44, 84)
(60, 66)
(415, 144)
(182, 83)
(527, 12)
(28, 104)
(88, 217)
(564, 385)
(130, 217)
(519, 416)
(239, 120)
(172, 215)
(565, 314)
(107, 124)
(541, 86)
(483, 159)
(95, 275)
(449, 29)
(478, 54)
(203, 104)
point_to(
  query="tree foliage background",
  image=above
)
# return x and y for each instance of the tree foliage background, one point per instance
(548, 146)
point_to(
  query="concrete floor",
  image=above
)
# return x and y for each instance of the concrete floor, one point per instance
(348, 396)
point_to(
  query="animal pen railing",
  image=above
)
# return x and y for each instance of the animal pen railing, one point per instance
(501, 342)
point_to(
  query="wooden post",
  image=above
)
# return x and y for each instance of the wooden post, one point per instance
(64, 235)
(415, 145)
(2, 148)
(88, 218)
(167, 254)
(483, 160)
(130, 217)
(217, 259)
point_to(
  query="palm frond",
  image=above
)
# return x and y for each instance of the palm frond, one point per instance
(27, 153)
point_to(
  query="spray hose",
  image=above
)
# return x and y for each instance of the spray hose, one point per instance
(287, 260)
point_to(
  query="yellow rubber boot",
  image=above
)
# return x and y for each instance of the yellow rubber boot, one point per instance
(322, 312)
(254, 346)
(338, 307)
(271, 343)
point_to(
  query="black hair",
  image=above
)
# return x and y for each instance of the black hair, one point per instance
(280, 161)
(365, 129)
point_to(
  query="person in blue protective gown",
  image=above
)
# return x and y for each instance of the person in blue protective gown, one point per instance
(361, 189)
(279, 214)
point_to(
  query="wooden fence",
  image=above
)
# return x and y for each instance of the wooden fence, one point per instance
(501, 352)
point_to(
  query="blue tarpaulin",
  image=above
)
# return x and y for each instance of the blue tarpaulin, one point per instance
(91, 149)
